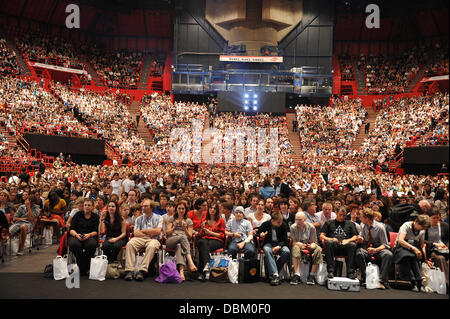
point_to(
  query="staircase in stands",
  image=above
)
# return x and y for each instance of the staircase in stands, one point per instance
(145, 72)
(357, 143)
(91, 71)
(23, 67)
(360, 81)
(12, 141)
(143, 131)
(294, 138)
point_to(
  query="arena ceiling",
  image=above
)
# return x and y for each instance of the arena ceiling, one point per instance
(150, 18)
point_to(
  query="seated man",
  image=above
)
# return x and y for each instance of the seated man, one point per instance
(304, 237)
(241, 232)
(147, 230)
(24, 220)
(274, 233)
(375, 244)
(339, 236)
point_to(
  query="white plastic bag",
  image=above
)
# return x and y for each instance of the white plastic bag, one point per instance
(99, 265)
(60, 268)
(322, 273)
(233, 271)
(437, 280)
(13, 245)
(48, 235)
(372, 276)
(304, 271)
(426, 278)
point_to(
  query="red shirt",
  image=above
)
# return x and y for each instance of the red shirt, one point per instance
(197, 222)
(218, 227)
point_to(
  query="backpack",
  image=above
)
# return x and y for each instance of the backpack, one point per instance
(400, 214)
(48, 271)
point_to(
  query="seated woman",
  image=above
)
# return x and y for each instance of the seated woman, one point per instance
(210, 238)
(54, 211)
(83, 236)
(436, 239)
(259, 217)
(115, 228)
(409, 249)
(198, 215)
(179, 231)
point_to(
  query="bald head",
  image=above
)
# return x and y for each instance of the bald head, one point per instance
(300, 219)
(425, 206)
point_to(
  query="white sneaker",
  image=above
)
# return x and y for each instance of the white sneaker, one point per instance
(415, 289)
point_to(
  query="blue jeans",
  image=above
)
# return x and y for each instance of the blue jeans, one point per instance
(249, 250)
(272, 265)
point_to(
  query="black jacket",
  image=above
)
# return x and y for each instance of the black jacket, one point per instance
(282, 238)
(285, 190)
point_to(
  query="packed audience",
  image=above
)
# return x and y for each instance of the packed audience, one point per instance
(327, 132)
(8, 59)
(216, 196)
(118, 69)
(402, 123)
(390, 74)
(27, 107)
(346, 66)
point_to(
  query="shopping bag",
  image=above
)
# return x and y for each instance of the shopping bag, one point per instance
(372, 276)
(249, 270)
(437, 278)
(233, 271)
(13, 245)
(99, 265)
(168, 273)
(322, 274)
(60, 268)
(219, 274)
(426, 278)
(48, 235)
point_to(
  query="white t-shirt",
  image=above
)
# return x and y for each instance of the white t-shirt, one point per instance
(257, 223)
(407, 228)
(116, 186)
(127, 184)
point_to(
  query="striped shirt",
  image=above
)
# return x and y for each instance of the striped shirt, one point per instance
(151, 222)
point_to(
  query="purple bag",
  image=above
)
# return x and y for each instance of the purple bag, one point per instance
(168, 273)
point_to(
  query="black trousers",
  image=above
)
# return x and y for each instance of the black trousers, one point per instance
(205, 247)
(111, 250)
(383, 257)
(83, 251)
(332, 249)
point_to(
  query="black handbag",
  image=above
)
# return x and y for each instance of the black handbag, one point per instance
(249, 270)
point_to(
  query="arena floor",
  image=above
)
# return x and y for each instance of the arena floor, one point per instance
(19, 278)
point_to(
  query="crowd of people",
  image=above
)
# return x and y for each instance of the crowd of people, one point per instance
(8, 59)
(27, 107)
(327, 132)
(118, 69)
(403, 121)
(226, 120)
(390, 74)
(168, 205)
(346, 66)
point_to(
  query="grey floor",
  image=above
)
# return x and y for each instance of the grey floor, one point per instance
(21, 277)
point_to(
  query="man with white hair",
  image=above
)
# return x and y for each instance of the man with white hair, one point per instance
(304, 237)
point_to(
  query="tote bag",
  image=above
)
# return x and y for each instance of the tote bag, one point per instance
(99, 265)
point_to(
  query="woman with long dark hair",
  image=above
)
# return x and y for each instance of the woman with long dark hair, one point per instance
(114, 226)
(179, 232)
(210, 238)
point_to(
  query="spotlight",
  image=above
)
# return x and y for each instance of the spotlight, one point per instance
(246, 108)
(255, 96)
(255, 101)
(246, 101)
(246, 96)
(255, 108)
